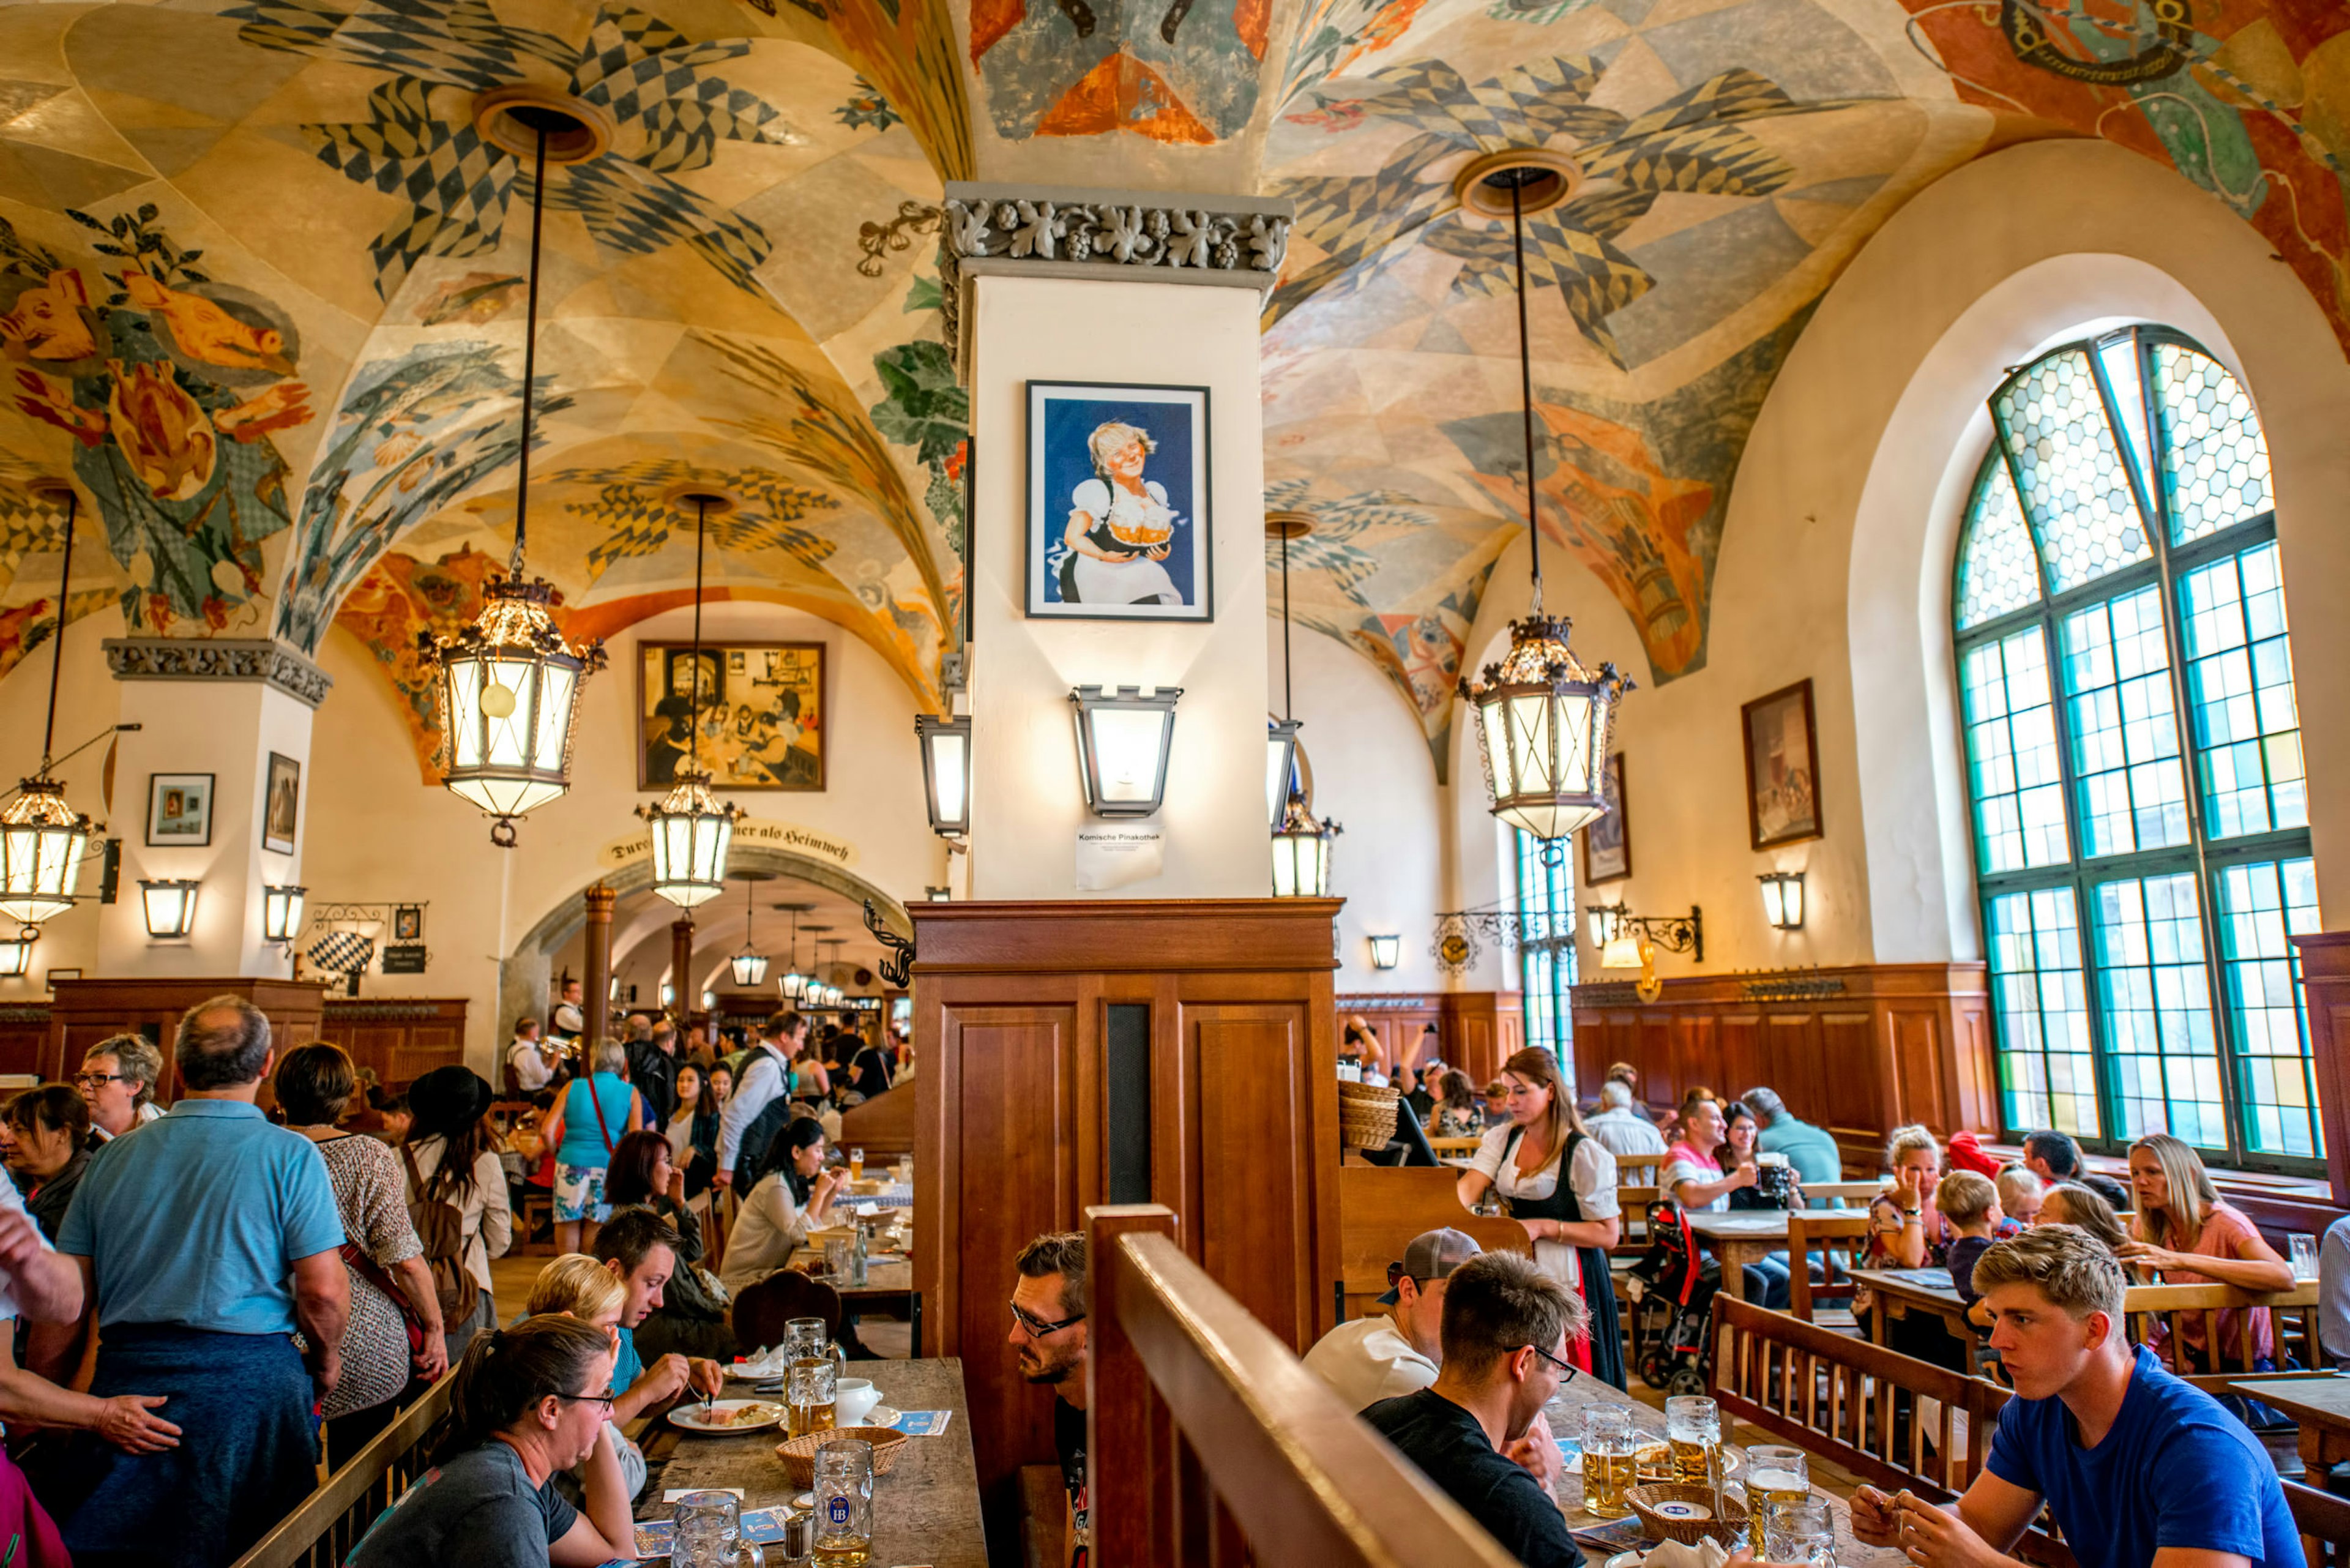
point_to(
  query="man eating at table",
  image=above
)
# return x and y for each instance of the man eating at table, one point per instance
(1477, 1433)
(1379, 1355)
(2139, 1468)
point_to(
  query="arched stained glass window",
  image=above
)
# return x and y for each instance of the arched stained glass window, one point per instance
(2135, 778)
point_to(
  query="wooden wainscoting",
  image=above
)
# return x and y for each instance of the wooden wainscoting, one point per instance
(1177, 1052)
(403, 1038)
(25, 1038)
(85, 1011)
(1854, 1050)
(1475, 1029)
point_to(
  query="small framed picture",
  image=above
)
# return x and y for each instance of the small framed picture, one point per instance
(1783, 768)
(281, 804)
(1607, 843)
(1119, 525)
(407, 923)
(180, 810)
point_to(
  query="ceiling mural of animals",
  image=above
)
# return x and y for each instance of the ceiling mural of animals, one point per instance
(263, 280)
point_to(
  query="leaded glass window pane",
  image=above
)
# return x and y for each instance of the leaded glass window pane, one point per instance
(1999, 572)
(2125, 729)
(1546, 917)
(2017, 782)
(2215, 459)
(2240, 676)
(2048, 1077)
(2157, 1008)
(2073, 487)
(2260, 906)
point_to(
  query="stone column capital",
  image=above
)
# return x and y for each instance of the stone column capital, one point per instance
(263, 659)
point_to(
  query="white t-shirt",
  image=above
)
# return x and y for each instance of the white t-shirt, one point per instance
(1592, 1180)
(1368, 1360)
(531, 1072)
(1627, 1132)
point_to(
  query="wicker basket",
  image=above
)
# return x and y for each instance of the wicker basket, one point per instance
(1729, 1528)
(1367, 1115)
(798, 1454)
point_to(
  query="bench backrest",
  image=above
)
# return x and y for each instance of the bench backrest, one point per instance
(1817, 1233)
(2159, 1315)
(2323, 1520)
(1382, 1208)
(323, 1531)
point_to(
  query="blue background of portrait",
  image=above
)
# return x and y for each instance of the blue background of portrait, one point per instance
(1068, 423)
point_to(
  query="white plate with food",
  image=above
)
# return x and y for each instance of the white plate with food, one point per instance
(722, 1416)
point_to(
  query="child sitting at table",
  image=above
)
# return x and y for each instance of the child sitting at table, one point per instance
(1971, 1203)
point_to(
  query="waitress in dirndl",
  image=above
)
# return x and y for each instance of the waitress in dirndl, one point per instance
(1574, 1220)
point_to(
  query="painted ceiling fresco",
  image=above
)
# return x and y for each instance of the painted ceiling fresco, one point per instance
(261, 282)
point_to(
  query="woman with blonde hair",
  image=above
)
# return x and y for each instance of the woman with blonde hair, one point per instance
(2083, 1209)
(2185, 1234)
(1561, 1186)
(1905, 1232)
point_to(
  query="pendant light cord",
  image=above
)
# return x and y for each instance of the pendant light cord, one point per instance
(1288, 697)
(693, 703)
(1526, 386)
(57, 637)
(530, 361)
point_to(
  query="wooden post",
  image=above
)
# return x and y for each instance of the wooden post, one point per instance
(680, 974)
(2325, 991)
(595, 987)
(1123, 1414)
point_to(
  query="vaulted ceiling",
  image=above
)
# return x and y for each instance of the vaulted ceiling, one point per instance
(261, 278)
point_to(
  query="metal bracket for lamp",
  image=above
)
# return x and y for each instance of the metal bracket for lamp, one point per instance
(1674, 933)
(896, 965)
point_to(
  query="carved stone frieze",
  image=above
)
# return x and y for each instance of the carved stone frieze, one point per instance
(218, 659)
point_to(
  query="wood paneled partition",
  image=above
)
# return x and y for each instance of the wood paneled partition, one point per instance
(1476, 1030)
(2326, 992)
(1854, 1050)
(1179, 1051)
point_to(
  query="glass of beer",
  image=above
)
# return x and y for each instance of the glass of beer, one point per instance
(1774, 1477)
(844, 1504)
(1608, 1460)
(1693, 1432)
(856, 1165)
(1801, 1533)
(811, 1393)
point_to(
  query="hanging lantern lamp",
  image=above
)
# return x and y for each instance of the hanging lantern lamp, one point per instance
(691, 832)
(43, 839)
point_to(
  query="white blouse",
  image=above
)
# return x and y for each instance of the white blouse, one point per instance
(1592, 1180)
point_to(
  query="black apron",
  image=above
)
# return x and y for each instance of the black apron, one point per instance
(1606, 1334)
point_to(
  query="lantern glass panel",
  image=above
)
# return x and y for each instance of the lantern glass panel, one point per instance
(15, 957)
(1621, 952)
(1773, 906)
(1128, 741)
(1793, 898)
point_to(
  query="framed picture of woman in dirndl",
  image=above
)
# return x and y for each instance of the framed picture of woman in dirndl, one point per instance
(1118, 503)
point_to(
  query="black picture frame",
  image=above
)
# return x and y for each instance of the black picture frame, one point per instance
(407, 923)
(1048, 573)
(281, 804)
(180, 811)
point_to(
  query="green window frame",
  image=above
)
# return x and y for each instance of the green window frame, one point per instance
(1547, 961)
(2135, 793)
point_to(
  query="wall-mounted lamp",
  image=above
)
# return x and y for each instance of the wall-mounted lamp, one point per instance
(667, 996)
(946, 772)
(937, 895)
(1631, 941)
(1782, 898)
(281, 912)
(16, 953)
(1602, 919)
(1385, 950)
(708, 1000)
(171, 907)
(1124, 740)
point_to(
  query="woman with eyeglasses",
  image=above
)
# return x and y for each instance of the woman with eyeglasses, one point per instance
(116, 1081)
(529, 1403)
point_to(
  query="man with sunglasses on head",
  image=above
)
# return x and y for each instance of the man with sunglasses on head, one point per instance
(1477, 1433)
(1379, 1355)
(1048, 1329)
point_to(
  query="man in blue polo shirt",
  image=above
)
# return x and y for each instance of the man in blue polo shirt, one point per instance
(2137, 1467)
(204, 1242)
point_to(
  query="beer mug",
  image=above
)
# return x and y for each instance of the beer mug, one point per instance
(1609, 1460)
(1693, 1432)
(811, 1393)
(1775, 1180)
(856, 1165)
(709, 1533)
(1801, 1532)
(844, 1504)
(1775, 1476)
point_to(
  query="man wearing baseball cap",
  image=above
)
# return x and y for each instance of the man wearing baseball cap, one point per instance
(1381, 1354)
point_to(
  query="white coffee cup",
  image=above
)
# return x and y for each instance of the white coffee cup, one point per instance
(854, 1398)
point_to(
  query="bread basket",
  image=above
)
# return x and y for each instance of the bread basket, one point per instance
(1367, 1115)
(798, 1454)
(1729, 1527)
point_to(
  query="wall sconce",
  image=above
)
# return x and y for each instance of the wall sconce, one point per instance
(937, 895)
(1602, 919)
(1782, 898)
(1124, 742)
(281, 912)
(170, 908)
(1633, 941)
(708, 1000)
(946, 772)
(667, 996)
(16, 953)
(1385, 950)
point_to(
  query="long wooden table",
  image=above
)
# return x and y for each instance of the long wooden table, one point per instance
(1577, 1395)
(889, 1288)
(2318, 1405)
(1739, 1237)
(1902, 1292)
(925, 1510)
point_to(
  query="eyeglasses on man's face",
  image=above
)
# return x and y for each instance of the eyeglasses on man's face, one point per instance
(1567, 1369)
(1037, 1327)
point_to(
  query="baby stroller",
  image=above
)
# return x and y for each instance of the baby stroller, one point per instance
(1672, 1288)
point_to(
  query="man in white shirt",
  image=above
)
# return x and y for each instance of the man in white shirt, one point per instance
(1382, 1354)
(1622, 1131)
(570, 1015)
(766, 1077)
(532, 1060)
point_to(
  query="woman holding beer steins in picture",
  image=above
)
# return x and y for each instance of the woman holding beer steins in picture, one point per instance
(1120, 527)
(1561, 1185)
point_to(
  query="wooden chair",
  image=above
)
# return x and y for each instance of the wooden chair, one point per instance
(1382, 1208)
(1639, 1170)
(2323, 1520)
(713, 1240)
(323, 1531)
(1817, 1229)
(2158, 1313)
(760, 1310)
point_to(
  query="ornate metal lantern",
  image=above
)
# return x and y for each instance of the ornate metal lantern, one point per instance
(750, 965)
(43, 839)
(1301, 852)
(1125, 739)
(946, 772)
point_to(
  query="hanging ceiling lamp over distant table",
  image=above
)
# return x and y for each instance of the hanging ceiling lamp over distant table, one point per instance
(691, 832)
(1301, 845)
(750, 965)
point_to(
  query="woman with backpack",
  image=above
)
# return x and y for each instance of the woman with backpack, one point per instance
(457, 1196)
(587, 1124)
(395, 1315)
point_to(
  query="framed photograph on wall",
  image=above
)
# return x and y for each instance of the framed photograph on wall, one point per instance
(1782, 767)
(760, 714)
(408, 923)
(281, 804)
(179, 810)
(1607, 843)
(1119, 525)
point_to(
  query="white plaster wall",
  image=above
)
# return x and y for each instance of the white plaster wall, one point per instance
(1027, 804)
(377, 834)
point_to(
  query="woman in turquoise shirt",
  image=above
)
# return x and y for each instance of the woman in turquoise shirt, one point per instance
(594, 1114)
